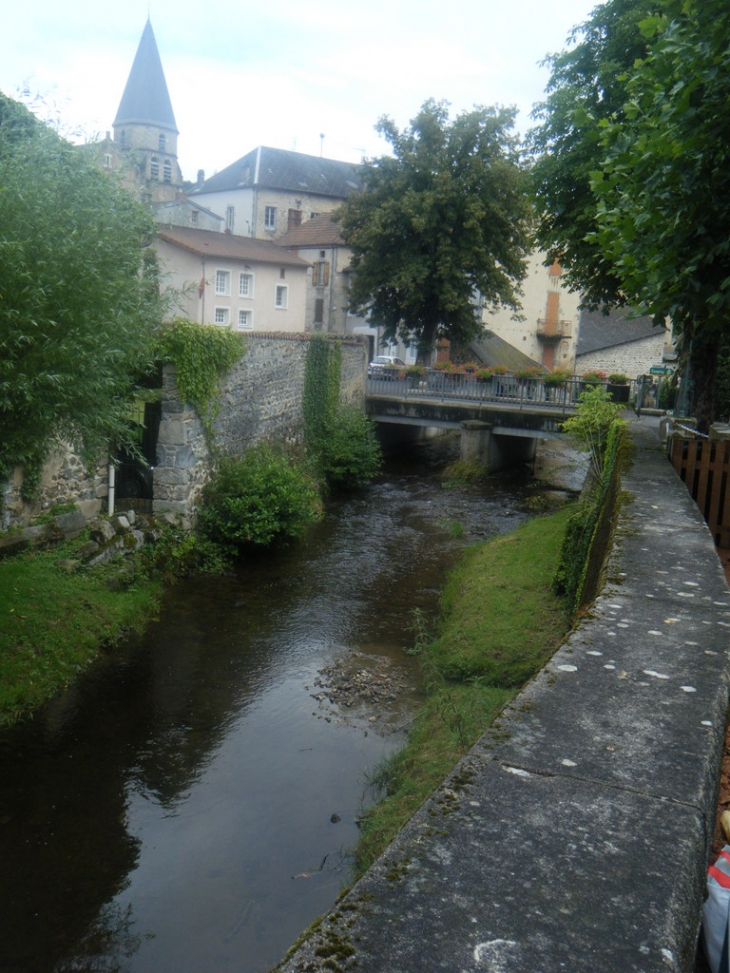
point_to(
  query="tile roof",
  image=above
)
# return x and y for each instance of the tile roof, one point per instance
(146, 100)
(267, 168)
(320, 231)
(597, 330)
(228, 246)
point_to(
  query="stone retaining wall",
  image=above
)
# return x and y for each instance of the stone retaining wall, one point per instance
(261, 398)
(65, 479)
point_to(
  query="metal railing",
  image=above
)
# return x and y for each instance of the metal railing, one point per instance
(500, 389)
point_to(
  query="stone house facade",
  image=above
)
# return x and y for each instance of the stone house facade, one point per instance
(615, 343)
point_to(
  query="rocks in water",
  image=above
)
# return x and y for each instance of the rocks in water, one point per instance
(371, 685)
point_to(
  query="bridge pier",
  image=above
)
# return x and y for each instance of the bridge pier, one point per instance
(479, 443)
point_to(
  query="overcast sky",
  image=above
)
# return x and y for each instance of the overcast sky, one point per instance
(284, 74)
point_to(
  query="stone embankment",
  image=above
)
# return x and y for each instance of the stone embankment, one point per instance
(575, 834)
(109, 537)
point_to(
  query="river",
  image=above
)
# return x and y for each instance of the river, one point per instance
(188, 806)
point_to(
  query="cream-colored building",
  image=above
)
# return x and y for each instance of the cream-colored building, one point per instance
(270, 191)
(231, 281)
(319, 241)
(548, 329)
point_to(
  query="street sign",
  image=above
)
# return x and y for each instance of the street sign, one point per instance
(660, 370)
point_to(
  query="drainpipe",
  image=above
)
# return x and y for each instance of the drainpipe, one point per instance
(110, 494)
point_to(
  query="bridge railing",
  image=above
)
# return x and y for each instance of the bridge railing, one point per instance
(500, 389)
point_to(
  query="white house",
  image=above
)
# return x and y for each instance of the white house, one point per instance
(270, 191)
(233, 281)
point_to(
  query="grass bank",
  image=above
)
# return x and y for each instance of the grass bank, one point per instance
(53, 621)
(501, 622)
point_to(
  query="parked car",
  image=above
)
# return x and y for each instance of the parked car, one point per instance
(381, 365)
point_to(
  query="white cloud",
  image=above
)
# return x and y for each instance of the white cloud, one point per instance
(240, 76)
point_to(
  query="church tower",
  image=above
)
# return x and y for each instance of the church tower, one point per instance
(145, 130)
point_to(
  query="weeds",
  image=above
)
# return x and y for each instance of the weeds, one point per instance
(501, 621)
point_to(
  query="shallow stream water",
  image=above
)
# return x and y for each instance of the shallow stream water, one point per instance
(189, 805)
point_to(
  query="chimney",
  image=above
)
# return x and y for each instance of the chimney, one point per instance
(201, 177)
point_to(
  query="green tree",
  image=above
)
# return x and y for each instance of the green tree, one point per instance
(441, 228)
(79, 304)
(587, 86)
(663, 190)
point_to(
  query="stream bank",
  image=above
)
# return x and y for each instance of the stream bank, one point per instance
(187, 804)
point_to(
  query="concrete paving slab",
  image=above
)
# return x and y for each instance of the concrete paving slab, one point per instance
(503, 871)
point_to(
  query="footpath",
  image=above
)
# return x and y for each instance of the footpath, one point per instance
(574, 835)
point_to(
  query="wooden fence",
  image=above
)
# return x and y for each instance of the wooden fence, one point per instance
(704, 465)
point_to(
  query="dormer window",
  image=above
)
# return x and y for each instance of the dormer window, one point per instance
(162, 143)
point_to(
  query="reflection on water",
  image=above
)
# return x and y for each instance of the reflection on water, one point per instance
(189, 805)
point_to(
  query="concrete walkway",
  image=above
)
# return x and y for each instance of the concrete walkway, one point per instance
(574, 835)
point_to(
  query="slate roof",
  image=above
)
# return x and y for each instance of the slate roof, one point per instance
(320, 231)
(492, 350)
(267, 168)
(228, 246)
(146, 100)
(597, 331)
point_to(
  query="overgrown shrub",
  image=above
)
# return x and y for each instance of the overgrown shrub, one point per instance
(259, 498)
(590, 530)
(588, 428)
(350, 456)
(340, 440)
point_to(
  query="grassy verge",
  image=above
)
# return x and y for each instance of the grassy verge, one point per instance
(502, 621)
(53, 622)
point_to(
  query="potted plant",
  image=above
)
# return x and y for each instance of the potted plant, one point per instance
(618, 386)
(555, 382)
(530, 373)
(484, 374)
(594, 378)
(414, 374)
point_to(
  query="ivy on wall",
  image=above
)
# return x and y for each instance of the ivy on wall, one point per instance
(321, 394)
(201, 356)
(590, 530)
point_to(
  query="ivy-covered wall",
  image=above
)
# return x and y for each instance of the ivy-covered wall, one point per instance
(261, 398)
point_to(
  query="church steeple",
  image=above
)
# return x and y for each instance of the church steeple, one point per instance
(145, 124)
(146, 100)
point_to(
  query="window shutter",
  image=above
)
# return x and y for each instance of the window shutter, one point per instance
(326, 274)
(315, 270)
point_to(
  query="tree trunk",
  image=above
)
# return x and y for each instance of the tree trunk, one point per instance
(703, 365)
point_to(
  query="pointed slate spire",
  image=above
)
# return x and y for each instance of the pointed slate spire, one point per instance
(146, 100)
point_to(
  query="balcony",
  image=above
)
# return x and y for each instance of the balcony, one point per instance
(553, 330)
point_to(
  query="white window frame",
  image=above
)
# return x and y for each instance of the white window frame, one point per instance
(248, 314)
(222, 317)
(223, 283)
(246, 275)
(281, 297)
(230, 217)
(270, 218)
